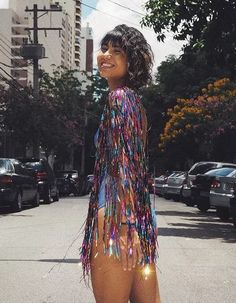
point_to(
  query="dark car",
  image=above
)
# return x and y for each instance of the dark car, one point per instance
(17, 185)
(69, 182)
(47, 184)
(199, 168)
(201, 186)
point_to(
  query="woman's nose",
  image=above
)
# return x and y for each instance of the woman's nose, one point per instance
(107, 54)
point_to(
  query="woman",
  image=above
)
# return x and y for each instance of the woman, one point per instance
(119, 245)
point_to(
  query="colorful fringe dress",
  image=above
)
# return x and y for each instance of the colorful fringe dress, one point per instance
(120, 171)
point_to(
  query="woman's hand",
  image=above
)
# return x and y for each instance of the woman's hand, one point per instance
(130, 252)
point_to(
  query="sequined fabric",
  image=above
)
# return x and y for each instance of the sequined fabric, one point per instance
(121, 154)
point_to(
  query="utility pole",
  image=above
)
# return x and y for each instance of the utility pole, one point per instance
(82, 166)
(36, 51)
(38, 55)
(35, 60)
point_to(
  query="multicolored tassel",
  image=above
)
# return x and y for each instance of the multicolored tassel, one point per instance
(121, 154)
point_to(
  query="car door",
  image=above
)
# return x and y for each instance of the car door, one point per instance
(22, 180)
(30, 182)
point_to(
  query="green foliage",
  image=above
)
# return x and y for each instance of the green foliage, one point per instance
(207, 25)
(197, 126)
(62, 121)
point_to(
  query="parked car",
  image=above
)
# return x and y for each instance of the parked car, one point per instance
(17, 185)
(201, 186)
(233, 209)
(159, 184)
(69, 182)
(223, 190)
(47, 184)
(173, 186)
(89, 183)
(199, 168)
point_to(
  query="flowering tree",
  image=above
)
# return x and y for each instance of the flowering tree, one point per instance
(196, 125)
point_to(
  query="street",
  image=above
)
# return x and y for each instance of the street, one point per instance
(39, 254)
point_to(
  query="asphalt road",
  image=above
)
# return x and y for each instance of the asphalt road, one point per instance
(39, 255)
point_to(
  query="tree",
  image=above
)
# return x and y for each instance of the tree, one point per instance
(197, 126)
(62, 122)
(206, 25)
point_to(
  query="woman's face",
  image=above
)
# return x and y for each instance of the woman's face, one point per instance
(112, 64)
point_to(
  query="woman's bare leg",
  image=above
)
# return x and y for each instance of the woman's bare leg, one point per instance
(111, 284)
(145, 288)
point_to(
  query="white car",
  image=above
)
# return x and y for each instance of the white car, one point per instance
(174, 185)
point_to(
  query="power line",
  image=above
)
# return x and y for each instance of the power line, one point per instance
(5, 64)
(96, 9)
(12, 56)
(130, 9)
(5, 38)
(12, 83)
(17, 65)
(11, 77)
(5, 54)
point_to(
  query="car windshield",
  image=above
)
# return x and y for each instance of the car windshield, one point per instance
(225, 171)
(201, 168)
(3, 166)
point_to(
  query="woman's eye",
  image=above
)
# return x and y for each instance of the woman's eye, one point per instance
(103, 49)
(117, 50)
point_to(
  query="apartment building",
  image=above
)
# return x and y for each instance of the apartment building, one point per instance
(12, 36)
(86, 53)
(62, 48)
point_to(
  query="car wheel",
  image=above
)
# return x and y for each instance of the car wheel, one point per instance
(47, 197)
(223, 213)
(56, 198)
(36, 200)
(204, 206)
(17, 205)
(189, 203)
(167, 196)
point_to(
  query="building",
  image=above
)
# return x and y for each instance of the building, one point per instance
(86, 54)
(12, 36)
(62, 48)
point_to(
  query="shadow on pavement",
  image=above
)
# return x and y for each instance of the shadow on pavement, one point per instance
(73, 261)
(6, 211)
(198, 225)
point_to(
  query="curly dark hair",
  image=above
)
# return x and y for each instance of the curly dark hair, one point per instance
(138, 52)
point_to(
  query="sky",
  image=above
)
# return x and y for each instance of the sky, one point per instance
(3, 3)
(107, 14)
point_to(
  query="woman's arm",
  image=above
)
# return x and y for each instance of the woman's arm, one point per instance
(124, 138)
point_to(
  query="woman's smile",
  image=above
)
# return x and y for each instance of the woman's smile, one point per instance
(106, 65)
(112, 64)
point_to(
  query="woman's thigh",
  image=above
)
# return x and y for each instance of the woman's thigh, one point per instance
(110, 282)
(145, 286)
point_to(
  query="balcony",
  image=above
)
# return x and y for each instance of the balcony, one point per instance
(19, 73)
(19, 63)
(18, 41)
